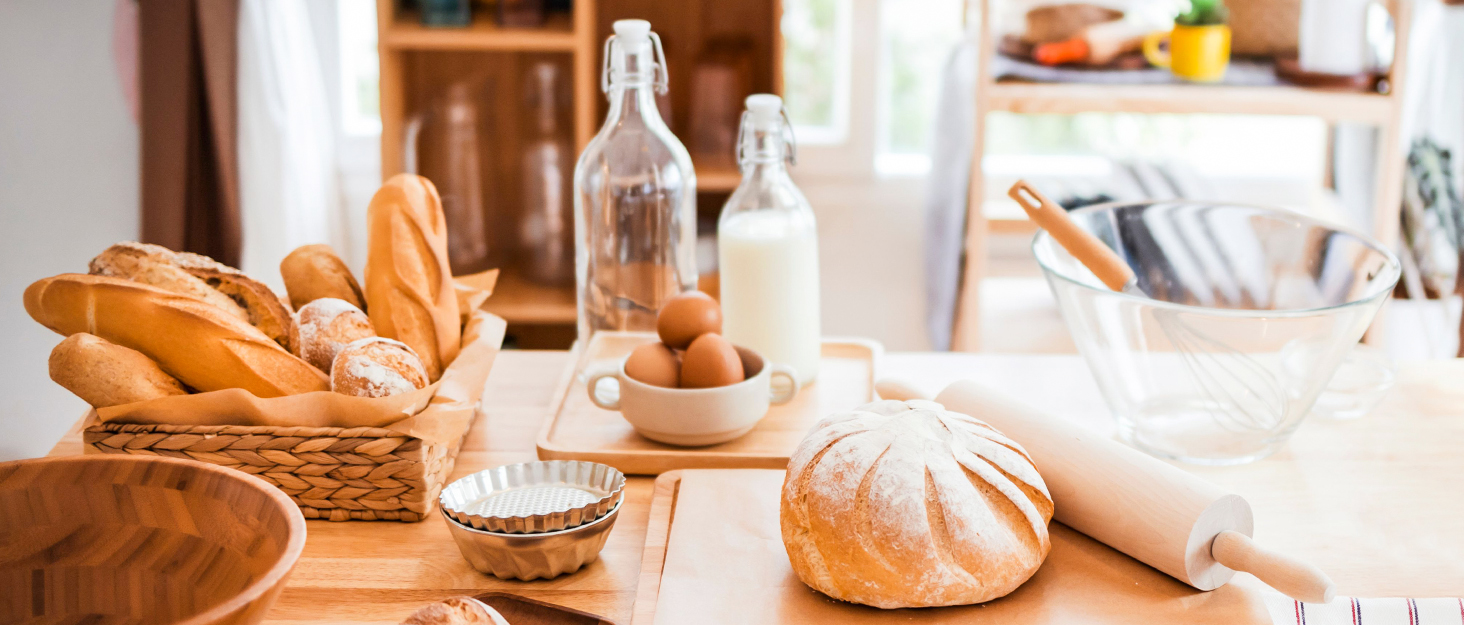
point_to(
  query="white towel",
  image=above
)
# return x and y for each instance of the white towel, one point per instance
(1355, 611)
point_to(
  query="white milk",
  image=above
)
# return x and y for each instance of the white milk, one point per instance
(769, 278)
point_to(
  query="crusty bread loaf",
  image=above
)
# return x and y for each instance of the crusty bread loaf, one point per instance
(266, 310)
(409, 288)
(105, 374)
(199, 276)
(314, 271)
(154, 265)
(196, 342)
(456, 611)
(904, 504)
(377, 367)
(327, 325)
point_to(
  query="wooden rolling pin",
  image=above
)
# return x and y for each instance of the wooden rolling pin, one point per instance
(1158, 514)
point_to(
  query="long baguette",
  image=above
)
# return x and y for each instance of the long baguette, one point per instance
(201, 345)
(409, 289)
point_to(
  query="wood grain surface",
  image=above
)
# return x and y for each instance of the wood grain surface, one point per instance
(580, 430)
(141, 539)
(1375, 502)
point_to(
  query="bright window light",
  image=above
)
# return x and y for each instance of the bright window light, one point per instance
(360, 69)
(917, 36)
(816, 69)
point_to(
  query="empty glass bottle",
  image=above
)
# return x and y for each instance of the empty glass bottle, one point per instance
(546, 231)
(634, 196)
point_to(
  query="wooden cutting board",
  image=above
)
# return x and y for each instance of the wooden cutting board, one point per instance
(520, 610)
(714, 555)
(577, 429)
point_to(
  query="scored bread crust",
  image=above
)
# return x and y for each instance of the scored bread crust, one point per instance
(456, 611)
(327, 325)
(904, 504)
(199, 276)
(191, 340)
(409, 287)
(154, 265)
(312, 272)
(105, 374)
(266, 310)
(377, 367)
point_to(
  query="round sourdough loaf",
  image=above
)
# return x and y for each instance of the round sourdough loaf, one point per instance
(905, 504)
(327, 325)
(377, 367)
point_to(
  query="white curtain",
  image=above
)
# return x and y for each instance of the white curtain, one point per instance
(289, 180)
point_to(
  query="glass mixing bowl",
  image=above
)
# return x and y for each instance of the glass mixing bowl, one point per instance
(1249, 312)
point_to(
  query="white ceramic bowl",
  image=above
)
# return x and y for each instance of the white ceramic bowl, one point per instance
(695, 417)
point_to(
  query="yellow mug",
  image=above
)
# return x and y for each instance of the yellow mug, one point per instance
(1198, 53)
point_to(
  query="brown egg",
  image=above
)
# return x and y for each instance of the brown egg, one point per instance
(687, 316)
(710, 361)
(655, 364)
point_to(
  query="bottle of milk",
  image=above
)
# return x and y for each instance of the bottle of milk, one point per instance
(768, 248)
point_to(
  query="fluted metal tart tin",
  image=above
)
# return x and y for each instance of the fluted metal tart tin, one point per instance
(533, 497)
(532, 556)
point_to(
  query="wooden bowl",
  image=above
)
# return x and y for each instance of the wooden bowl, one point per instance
(141, 539)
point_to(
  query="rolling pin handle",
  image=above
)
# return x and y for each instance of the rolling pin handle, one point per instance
(1295, 579)
(895, 388)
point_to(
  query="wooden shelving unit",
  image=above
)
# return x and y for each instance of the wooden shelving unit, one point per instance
(1380, 110)
(417, 62)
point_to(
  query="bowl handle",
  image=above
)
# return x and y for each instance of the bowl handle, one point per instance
(791, 375)
(598, 373)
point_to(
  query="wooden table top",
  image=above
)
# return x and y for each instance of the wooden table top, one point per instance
(1377, 502)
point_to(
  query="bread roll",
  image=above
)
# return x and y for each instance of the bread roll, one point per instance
(456, 611)
(327, 325)
(107, 374)
(905, 505)
(201, 345)
(409, 289)
(314, 271)
(266, 310)
(377, 367)
(154, 265)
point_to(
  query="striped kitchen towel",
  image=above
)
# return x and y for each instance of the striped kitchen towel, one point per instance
(1352, 611)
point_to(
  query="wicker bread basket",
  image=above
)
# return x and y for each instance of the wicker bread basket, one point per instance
(334, 473)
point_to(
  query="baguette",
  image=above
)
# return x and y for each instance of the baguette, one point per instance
(153, 265)
(202, 277)
(409, 287)
(266, 310)
(312, 272)
(191, 340)
(107, 374)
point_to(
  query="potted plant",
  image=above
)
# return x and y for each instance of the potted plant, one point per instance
(1199, 44)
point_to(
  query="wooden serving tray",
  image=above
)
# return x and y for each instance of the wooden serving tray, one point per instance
(577, 429)
(714, 555)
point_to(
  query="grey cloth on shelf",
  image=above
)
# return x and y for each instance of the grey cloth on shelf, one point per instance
(946, 191)
(1242, 72)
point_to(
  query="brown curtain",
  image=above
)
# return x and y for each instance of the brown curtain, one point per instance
(188, 63)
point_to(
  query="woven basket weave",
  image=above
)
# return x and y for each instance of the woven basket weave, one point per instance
(339, 474)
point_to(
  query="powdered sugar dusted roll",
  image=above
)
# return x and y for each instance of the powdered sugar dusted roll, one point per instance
(377, 367)
(327, 325)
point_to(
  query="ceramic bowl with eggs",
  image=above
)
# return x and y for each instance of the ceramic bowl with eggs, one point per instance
(694, 387)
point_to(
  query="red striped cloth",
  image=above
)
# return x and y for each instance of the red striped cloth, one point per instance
(1354, 611)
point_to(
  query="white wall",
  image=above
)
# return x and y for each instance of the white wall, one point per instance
(68, 188)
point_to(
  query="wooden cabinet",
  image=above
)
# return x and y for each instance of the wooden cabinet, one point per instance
(419, 64)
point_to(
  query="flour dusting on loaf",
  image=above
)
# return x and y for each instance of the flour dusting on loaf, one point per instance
(377, 367)
(905, 504)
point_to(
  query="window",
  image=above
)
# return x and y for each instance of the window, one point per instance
(916, 37)
(816, 69)
(360, 67)
(862, 77)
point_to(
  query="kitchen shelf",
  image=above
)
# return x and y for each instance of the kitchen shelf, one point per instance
(1069, 98)
(520, 301)
(718, 179)
(406, 32)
